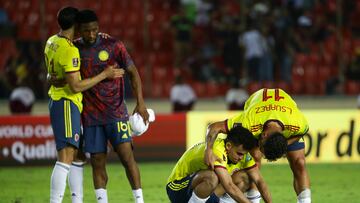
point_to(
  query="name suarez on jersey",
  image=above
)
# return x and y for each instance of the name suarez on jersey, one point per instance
(273, 107)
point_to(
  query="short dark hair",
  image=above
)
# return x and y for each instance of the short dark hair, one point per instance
(86, 16)
(241, 136)
(66, 17)
(275, 146)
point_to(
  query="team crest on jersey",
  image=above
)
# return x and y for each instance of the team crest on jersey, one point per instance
(248, 158)
(103, 55)
(76, 137)
(75, 62)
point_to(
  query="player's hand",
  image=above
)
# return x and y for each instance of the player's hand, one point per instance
(210, 158)
(104, 35)
(54, 81)
(112, 72)
(141, 109)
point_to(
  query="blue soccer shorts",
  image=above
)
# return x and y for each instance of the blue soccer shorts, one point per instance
(96, 137)
(300, 144)
(180, 191)
(66, 123)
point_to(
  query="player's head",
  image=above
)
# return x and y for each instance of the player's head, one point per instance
(238, 142)
(274, 146)
(88, 25)
(66, 17)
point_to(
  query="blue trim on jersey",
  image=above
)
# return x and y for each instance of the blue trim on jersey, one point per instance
(65, 121)
(96, 137)
(296, 146)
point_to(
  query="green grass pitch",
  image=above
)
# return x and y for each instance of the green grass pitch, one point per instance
(331, 183)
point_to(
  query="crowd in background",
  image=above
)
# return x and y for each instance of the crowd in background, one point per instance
(230, 43)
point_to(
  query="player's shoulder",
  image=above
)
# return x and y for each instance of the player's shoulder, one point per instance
(63, 41)
(78, 42)
(107, 39)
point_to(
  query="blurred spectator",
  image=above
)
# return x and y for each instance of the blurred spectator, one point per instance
(189, 8)
(236, 97)
(21, 100)
(3, 17)
(203, 8)
(16, 71)
(333, 86)
(254, 44)
(182, 27)
(182, 96)
(228, 30)
(303, 34)
(284, 41)
(267, 66)
(353, 70)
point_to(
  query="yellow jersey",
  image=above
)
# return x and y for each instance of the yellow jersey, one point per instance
(62, 56)
(271, 104)
(193, 160)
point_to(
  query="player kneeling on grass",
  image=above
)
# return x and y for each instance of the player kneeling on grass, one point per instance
(192, 181)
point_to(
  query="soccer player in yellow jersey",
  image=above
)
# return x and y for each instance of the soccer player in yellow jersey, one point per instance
(62, 61)
(273, 118)
(192, 181)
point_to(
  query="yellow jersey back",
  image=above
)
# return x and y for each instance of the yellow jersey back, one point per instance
(61, 56)
(271, 104)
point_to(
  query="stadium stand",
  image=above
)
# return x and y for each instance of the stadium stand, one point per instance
(321, 50)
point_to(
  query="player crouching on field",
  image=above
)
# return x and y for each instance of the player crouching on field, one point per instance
(192, 181)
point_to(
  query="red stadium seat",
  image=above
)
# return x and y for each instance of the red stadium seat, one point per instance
(312, 88)
(352, 87)
(200, 89)
(298, 72)
(310, 73)
(330, 45)
(301, 59)
(283, 85)
(297, 87)
(159, 73)
(324, 72)
(268, 84)
(329, 58)
(167, 85)
(157, 89)
(211, 89)
(253, 87)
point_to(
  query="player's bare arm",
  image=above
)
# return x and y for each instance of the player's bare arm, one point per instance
(54, 81)
(77, 85)
(257, 155)
(137, 89)
(259, 181)
(211, 133)
(229, 186)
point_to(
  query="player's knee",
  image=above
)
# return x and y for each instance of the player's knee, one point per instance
(80, 156)
(211, 180)
(128, 161)
(299, 164)
(98, 162)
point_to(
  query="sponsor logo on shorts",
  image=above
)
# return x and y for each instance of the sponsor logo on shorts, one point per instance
(76, 137)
